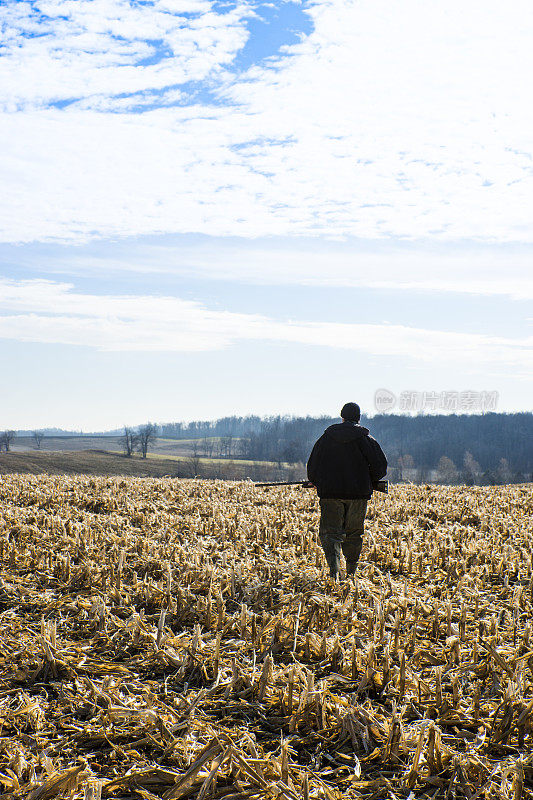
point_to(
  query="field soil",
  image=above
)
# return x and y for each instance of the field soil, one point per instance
(88, 462)
(102, 462)
(103, 455)
(181, 639)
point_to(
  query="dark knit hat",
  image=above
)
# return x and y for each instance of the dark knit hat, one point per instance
(351, 412)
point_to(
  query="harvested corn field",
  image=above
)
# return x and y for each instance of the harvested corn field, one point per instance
(179, 639)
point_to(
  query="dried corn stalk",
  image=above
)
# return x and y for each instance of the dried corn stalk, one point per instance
(168, 639)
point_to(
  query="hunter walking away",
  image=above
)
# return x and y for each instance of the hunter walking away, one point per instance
(344, 465)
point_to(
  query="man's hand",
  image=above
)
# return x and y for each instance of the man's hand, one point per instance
(308, 485)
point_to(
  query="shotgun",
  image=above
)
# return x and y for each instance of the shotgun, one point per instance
(379, 486)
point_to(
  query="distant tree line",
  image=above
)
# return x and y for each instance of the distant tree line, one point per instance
(474, 449)
(456, 448)
(226, 426)
(480, 448)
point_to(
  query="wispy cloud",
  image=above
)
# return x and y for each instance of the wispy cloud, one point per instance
(46, 311)
(410, 120)
(403, 266)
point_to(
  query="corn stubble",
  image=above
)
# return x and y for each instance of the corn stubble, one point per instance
(179, 639)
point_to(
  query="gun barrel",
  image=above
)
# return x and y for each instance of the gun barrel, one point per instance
(283, 483)
(378, 486)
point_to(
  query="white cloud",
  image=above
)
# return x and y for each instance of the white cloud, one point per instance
(64, 50)
(474, 270)
(44, 311)
(407, 120)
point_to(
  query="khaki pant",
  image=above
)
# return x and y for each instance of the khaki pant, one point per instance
(341, 530)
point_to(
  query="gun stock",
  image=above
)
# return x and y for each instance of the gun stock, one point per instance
(378, 486)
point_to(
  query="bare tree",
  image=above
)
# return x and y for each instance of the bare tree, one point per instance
(294, 451)
(194, 466)
(38, 437)
(195, 448)
(225, 446)
(207, 446)
(503, 472)
(6, 438)
(472, 470)
(146, 437)
(405, 463)
(194, 462)
(447, 470)
(422, 474)
(129, 441)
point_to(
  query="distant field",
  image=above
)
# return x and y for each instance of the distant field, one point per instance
(102, 462)
(170, 447)
(87, 462)
(218, 461)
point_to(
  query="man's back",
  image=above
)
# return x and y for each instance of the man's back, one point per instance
(345, 462)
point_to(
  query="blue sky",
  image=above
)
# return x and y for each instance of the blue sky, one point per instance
(214, 208)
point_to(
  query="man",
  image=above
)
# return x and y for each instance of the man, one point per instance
(344, 464)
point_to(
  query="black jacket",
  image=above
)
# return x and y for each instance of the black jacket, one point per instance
(345, 461)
